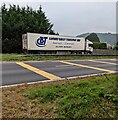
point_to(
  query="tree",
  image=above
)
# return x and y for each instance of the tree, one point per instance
(116, 46)
(117, 43)
(17, 21)
(93, 37)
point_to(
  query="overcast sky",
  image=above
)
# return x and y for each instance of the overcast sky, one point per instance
(74, 18)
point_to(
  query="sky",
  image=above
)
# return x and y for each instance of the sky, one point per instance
(74, 17)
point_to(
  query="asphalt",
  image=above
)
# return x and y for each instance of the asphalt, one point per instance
(12, 73)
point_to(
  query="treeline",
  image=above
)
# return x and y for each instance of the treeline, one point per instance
(18, 20)
(116, 46)
(96, 41)
(93, 37)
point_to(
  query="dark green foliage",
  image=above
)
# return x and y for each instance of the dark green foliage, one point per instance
(17, 21)
(98, 45)
(116, 47)
(117, 43)
(93, 37)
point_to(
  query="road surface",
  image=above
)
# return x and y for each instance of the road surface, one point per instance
(26, 72)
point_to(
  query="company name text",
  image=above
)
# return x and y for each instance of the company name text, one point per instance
(63, 39)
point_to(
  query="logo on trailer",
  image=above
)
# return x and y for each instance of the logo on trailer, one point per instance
(41, 41)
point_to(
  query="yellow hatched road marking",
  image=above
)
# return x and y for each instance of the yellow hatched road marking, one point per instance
(85, 66)
(102, 62)
(114, 59)
(38, 71)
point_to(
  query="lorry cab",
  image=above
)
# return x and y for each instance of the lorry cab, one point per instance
(89, 46)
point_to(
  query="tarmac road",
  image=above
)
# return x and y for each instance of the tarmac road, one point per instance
(26, 72)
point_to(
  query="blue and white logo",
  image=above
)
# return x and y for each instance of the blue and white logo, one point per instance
(41, 41)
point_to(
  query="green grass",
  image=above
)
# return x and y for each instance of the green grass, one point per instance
(94, 97)
(23, 57)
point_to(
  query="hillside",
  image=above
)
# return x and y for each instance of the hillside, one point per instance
(104, 37)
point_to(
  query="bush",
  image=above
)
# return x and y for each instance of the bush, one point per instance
(116, 47)
(97, 45)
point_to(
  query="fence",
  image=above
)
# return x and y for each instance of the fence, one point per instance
(105, 52)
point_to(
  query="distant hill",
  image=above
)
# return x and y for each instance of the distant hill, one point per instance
(104, 37)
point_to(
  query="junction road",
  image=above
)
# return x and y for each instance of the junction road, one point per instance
(35, 71)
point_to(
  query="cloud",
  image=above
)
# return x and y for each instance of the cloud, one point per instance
(73, 18)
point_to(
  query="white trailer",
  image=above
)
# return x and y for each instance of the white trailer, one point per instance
(44, 43)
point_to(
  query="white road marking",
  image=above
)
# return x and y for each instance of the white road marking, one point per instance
(103, 62)
(46, 81)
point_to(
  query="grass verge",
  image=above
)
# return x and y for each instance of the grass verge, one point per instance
(22, 57)
(93, 97)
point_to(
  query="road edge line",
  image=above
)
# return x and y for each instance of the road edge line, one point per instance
(62, 79)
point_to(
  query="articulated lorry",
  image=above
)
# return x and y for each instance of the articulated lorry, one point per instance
(55, 44)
